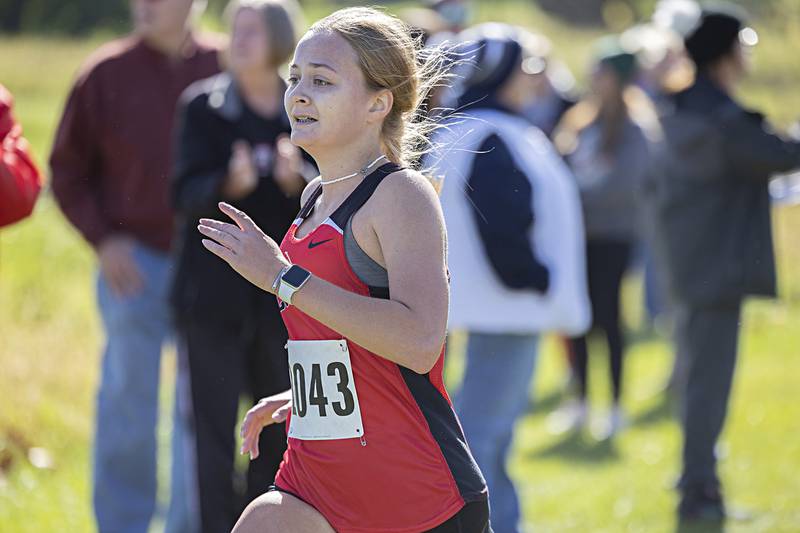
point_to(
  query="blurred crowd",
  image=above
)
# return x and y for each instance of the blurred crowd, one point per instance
(551, 196)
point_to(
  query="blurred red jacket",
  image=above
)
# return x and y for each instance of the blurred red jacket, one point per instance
(20, 180)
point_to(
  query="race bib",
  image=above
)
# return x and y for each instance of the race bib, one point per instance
(324, 400)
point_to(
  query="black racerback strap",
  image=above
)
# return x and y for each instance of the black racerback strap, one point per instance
(308, 207)
(361, 194)
(357, 198)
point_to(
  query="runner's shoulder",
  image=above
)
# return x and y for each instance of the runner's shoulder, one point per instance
(406, 187)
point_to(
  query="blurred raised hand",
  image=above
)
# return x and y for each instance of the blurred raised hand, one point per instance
(242, 178)
(288, 169)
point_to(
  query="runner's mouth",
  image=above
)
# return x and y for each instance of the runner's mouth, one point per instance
(304, 119)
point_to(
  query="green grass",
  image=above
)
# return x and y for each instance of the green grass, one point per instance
(50, 340)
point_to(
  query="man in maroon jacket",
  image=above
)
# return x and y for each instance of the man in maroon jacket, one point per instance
(111, 163)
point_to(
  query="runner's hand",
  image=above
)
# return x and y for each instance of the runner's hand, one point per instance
(270, 410)
(247, 249)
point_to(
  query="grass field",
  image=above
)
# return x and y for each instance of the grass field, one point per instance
(50, 341)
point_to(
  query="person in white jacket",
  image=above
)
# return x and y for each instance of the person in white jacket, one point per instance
(516, 247)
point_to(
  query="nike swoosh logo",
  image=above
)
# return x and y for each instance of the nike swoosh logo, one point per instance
(313, 244)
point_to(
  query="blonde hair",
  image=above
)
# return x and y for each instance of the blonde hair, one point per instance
(390, 58)
(281, 18)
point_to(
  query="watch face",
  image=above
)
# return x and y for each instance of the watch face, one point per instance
(295, 276)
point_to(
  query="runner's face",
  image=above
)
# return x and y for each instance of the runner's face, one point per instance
(327, 99)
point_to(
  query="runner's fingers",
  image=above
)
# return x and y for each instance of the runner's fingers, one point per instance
(240, 217)
(218, 250)
(247, 425)
(251, 425)
(254, 448)
(222, 237)
(246, 442)
(233, 229)
(280, 414)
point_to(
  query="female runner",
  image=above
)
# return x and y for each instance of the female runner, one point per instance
(373, 443)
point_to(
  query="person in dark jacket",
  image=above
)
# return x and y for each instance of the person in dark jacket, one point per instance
(714, 236)
(232, 146)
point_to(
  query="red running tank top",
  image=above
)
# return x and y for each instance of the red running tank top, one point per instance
(412, 470)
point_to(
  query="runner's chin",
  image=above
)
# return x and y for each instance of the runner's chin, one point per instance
(304, 135)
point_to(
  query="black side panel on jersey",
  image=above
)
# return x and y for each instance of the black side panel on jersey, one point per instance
(447, 433)
(437, 411)
(379, 292)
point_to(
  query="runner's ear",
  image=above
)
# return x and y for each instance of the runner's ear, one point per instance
(381, 105)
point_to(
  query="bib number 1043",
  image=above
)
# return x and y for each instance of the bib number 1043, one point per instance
(324, 399)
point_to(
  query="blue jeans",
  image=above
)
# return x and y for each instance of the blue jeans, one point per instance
(136, 327)
(493, 395)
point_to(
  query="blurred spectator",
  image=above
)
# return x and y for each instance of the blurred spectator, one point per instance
(661, 60)
(437, 20)
(515, 248)
(554, 88)
(426, 24)
(20, 180)
(110, 165)
(233, 146)
(664, 69)
(714, 235)
(437, 24)
(456, 14)
(605, 140)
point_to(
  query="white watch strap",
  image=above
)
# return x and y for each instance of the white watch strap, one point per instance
(285, 292)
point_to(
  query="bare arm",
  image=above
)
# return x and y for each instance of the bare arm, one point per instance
(408, 329)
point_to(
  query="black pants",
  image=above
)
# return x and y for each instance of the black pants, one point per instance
(224, 364)
(707, 337)
(606, 262)
(472, 518)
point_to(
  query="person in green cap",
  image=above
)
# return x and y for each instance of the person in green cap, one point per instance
(606, 140)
